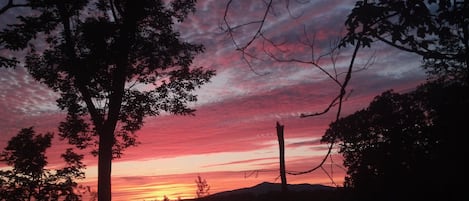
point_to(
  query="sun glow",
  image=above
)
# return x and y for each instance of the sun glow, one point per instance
(157, 191)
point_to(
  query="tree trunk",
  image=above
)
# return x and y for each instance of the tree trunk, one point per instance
(281, 145)
(106, 139)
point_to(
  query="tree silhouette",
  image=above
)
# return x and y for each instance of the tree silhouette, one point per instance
(202, 187)
(29, 179)
(400, 147)
(272, 48)
(437, 30)
(112, 62)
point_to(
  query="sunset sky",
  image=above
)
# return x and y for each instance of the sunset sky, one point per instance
(231, 140)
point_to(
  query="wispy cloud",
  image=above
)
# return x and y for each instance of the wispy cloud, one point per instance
(242, 162)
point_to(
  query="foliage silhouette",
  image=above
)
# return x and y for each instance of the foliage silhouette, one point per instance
(112, 62)
(438, 30)
(402, 145)
(29, 179)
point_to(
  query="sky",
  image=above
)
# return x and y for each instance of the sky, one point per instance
(231, 141)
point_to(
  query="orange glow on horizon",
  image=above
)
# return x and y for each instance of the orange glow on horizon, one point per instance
(183, 186)
(157, 192)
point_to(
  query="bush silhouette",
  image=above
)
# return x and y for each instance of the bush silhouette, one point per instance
(29, 179)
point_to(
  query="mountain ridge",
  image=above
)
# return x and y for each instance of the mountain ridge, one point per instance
(272, 191)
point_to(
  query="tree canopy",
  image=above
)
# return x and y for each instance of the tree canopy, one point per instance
(404, 146)
(29, 179)
(438, 30)
(112, 62)
(85, 46)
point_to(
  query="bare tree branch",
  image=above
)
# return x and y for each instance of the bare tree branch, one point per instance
(340, 98)
(273, 50)
(231, 29)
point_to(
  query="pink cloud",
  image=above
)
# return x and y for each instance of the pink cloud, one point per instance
(237, 112)
(241, 162)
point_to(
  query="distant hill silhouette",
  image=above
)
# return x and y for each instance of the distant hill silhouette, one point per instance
(272, 192)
